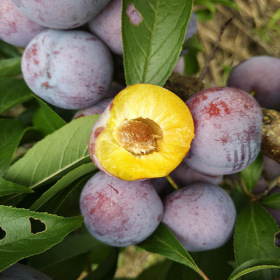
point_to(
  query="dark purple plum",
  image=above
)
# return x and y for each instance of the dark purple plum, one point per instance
(69, 69)
(22, 272)
(120, 213)
(15, 28)
(201, 215)
(271, 170)
(259, 75)
(228, 129)
(62, 14)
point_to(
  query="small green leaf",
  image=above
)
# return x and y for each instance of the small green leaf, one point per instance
(7, 188)
(10, 67)
(271, 201)
(12, 93)
(23, 238)
(254, 265)
(164, 242)
(7, 50)
(254, 239)
(46, 120)
(11, 133)
(250, 175)
(152, 41)
(55, 155)
(63, 183)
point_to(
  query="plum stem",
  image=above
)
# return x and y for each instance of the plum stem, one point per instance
(202, 274)
(172, 182)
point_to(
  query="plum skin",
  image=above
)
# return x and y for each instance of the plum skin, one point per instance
(23, 272)
(228, 129)
(120, 213)
(62, 14)
(68, 69)
(258, 74)
(201, 215)
(15, 28)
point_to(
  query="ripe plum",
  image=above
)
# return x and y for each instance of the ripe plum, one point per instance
(259, 75)
(69, 69)
(120, 213)
(201, 215)
(228, 129)
(15, 28)
(23, 272)
(62, 14)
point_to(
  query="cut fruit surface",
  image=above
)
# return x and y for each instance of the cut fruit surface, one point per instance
(144, 133)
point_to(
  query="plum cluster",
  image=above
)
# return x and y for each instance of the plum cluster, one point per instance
(216, 132)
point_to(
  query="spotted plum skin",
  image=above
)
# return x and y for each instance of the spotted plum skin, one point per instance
(201, 215)
(259, 74)
(15, 28)
(228, 129)
(23, 272)
(69, 69)
(62, 14)
(120, 213)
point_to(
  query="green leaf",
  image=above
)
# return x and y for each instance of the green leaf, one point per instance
(209, 4)
(12, 93)
(203, 15)
(63, 183)
(28, 233)
(216, 263)
(164, 242)
(7, 188)
(157, 271)
(10, 67)
(46, 120)
(191, 63)
(71, 246)
(152, 45)
(254, 239)
(11, 133)
(106, 270)
(254, 265)
(271, 201)
(250, 175)
(7, 50)
(55, 155)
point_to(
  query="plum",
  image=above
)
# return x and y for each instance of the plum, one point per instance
(107, 26)
(201, 215)
(258, 75)
(145, 132)
(120, 213)
(23, 272)
(97, 108)
(62, 14)
(69, 69)
(228, 129)
(15, 28)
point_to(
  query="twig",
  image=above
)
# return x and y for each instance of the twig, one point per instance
(212, 53)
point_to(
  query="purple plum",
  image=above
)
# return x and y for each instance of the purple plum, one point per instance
(120, 213)
(69, 69)
(62, 14)
(201, 215)
(259, 75)
(228, 129)
(15, 28)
